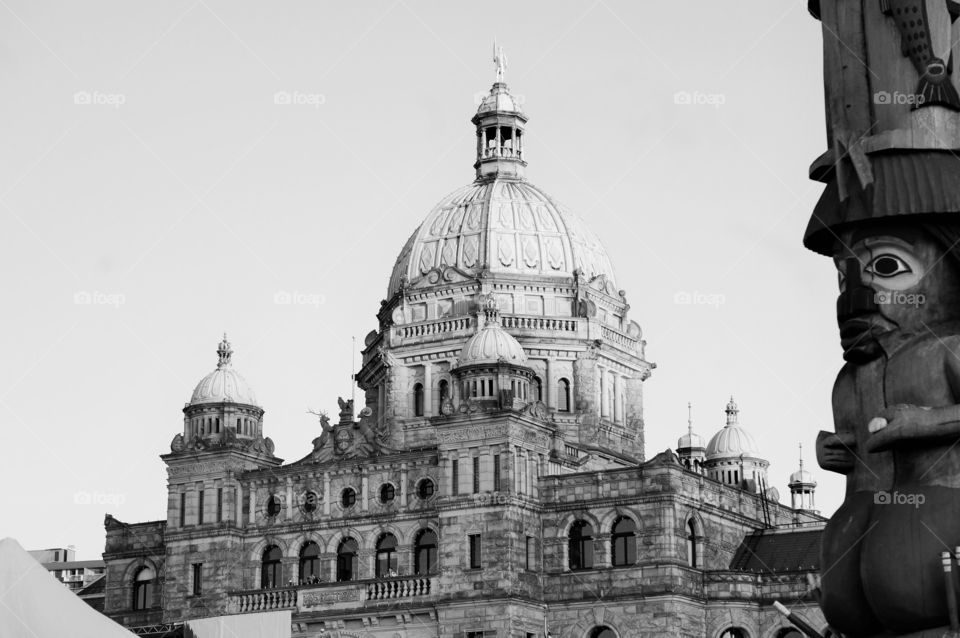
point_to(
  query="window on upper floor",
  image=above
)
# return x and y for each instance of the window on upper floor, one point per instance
(580, 546)
(692, 558)
(309, 562)
(475, 549)
(347, 559)
(623, 542)
(271, 568)
(418, 399)
(386, 563)
(143, 583)
(425, 552)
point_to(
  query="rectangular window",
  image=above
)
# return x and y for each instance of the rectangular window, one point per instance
(476, 475)
(455, 488)
(475, 558)
(528, 562)
(200, 507)
(183, 509)
(197, 578)
(219, 504)
(496, 472)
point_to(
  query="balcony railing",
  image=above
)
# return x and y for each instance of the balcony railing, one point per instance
(264, 600)
(398, 588)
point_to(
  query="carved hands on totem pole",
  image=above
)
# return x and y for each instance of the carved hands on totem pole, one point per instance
(898, 421)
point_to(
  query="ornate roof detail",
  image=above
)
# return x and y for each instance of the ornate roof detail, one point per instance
(733, 441)
(504, 226)
(492, 344)
(223, 384)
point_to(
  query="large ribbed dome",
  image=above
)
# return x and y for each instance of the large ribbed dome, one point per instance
(504, 226)
(223, 385)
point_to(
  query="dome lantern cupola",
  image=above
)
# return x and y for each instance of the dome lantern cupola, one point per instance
(223, 405)
(492, 370)
(690, 447)
(802, 487)
(500, 122)
(733, 456)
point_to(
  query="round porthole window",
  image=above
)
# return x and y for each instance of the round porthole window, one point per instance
(348, 498)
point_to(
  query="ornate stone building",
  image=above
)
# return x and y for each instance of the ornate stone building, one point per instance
(495, 481)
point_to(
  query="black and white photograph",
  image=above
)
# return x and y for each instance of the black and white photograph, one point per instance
(449, 319)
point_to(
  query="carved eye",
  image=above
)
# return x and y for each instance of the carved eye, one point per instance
(888, 266)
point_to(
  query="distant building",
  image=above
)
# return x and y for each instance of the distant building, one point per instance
(62, 563)
(496, 483)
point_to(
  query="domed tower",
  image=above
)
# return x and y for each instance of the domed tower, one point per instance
(492, 371)
(690, 447)
(802, 488)
(222, 438)
(222, 405)
(503, 238)
(733, 457)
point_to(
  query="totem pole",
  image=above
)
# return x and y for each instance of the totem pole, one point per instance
(890, 219)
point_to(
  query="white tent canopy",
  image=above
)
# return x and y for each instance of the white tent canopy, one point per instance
(34, 604)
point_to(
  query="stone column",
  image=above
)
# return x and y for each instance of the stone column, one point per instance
(326, 493)
(427, 389)
(550, 390)
(252, 518)
(364, 505)
(238, 505)
(288, 510)
(403, 486)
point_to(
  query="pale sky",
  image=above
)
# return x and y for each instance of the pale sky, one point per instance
(146, 167)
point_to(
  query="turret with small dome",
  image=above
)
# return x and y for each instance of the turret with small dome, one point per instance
(802, 488)
(690, 447)
(733, 457)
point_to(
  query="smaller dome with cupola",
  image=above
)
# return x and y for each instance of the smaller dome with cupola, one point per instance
(492, 344)
(223, 385)
(733, 456)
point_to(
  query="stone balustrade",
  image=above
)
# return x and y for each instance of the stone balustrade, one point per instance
(399, 588)
(263, 600)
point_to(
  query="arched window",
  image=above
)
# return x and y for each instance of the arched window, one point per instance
(271, 568)
(347, 560)
(563, 396)
(386, 556)
(733, 632)
(789, 632)
(692, 558)
(443, 390)
(348, 498)
(310, 563)
(418, 399)
(387, 493)
(624, 542)
(581, 545)
(238, 426)
(143, 588)
(602, 632)
(425, 552)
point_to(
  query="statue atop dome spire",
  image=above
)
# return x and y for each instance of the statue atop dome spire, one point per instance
(225, 352)
(500, 60)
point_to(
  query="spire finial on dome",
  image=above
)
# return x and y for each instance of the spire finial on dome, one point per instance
(490, 309)
(224, 351)
(732, 411)
(500, 60)
(690, 418)
(800, 445)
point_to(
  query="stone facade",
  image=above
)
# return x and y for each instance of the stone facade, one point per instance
(503, 417)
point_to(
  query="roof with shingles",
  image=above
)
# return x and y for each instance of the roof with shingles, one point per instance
(775, 551)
